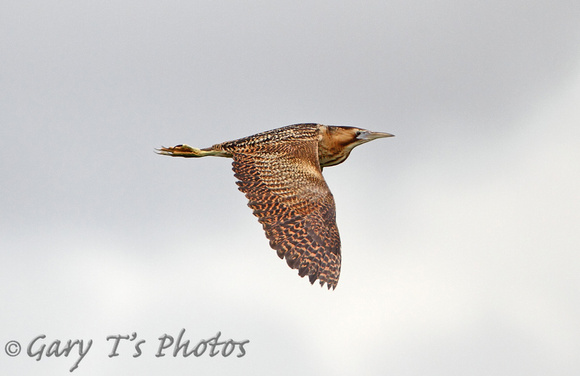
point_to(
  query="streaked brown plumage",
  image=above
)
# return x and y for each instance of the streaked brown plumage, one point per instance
(280, 172)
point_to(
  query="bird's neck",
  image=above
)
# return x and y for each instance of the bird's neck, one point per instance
(331, 152)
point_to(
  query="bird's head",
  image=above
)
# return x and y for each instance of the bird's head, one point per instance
(336, 142)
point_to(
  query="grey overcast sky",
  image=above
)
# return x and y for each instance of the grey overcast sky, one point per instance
(460, 235)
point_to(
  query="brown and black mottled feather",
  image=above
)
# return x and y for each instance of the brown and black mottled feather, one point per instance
(280, 174)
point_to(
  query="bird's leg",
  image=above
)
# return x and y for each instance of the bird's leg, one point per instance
(180, 151)
(187, 151)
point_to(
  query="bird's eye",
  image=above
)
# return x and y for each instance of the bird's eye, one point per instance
(358, 133)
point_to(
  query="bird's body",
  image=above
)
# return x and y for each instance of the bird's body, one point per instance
(280, 172)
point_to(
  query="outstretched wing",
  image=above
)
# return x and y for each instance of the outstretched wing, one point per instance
(287, 192)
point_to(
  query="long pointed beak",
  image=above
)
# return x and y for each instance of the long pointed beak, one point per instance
(369, 136)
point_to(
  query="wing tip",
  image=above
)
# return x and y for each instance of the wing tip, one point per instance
(311, 268)
(330, 283)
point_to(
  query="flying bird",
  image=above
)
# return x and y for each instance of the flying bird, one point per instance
(280, 172)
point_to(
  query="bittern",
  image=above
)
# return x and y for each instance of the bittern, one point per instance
(280, 172)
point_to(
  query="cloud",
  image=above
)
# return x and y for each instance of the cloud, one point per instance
(459, 235)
